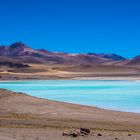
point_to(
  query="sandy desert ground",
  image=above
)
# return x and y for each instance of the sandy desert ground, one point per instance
(23, 117)
(41, 71)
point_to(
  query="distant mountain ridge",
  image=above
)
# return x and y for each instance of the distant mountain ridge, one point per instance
(112, 56)
(23, 53)
(134, 61)
(16, 49)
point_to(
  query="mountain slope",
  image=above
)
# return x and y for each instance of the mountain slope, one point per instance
(23, 53)
(135, 61)
(112, 56)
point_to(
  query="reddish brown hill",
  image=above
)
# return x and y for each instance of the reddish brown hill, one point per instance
(135, 61)
(23, 53)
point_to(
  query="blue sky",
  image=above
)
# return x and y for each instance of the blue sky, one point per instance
(75, 26)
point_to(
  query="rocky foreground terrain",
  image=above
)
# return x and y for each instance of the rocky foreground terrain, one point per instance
(23, 117)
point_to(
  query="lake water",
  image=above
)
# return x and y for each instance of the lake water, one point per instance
(114, 95)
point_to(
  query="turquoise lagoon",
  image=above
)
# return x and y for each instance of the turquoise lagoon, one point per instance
(113, 95)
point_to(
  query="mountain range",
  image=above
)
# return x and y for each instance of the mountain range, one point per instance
(20, 52)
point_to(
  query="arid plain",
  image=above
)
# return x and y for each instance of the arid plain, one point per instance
(23, 117)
